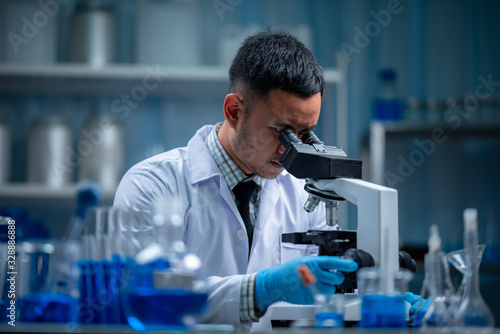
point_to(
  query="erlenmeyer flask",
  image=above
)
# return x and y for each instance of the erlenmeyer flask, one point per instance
(473, 312)
(457, 258)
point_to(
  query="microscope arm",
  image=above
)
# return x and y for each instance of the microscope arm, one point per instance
(377, 230)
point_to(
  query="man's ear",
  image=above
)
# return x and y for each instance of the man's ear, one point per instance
(234, 109)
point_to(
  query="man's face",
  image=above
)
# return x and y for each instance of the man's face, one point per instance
(256, 140)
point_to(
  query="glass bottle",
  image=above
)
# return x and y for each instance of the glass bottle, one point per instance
(473, 312)
(434, 110)
(437, 314)
(387, 106)
(414, 110)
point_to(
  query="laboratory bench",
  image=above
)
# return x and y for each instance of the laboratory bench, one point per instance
(200, 329)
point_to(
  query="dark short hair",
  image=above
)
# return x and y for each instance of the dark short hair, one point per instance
(270, 60)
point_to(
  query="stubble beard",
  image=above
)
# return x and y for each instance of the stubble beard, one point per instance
(247, 153)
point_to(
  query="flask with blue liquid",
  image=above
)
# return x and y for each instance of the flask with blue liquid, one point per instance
(48, 274)
(473, 315)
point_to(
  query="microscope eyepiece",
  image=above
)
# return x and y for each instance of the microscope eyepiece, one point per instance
(311, 138)
(287, 137)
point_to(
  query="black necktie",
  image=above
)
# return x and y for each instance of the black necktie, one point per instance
(243, 193)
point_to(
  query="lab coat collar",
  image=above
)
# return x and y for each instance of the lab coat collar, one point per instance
(198, 152)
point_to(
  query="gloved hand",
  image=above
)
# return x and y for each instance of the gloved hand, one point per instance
(414, 313)
(282, 283)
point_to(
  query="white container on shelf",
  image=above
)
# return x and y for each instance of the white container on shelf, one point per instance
(5, 151)
(29, 32)
(168, 32)
(49, 141)
(231, 37)
(92, 34)
(102, 148)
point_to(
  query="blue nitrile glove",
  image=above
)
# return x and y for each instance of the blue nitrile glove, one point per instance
(414, 301)
(282, 283)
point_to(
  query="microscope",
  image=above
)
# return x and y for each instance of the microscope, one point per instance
(332, 177)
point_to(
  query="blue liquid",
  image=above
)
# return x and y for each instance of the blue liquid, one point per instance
(329, 320)
(100, 287)
(48, 307)
(417, 321)
(163, 307)
(387, 109)
(380, 311)
(102, 283)
(475, 320)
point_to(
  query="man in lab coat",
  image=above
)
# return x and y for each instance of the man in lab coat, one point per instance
(275, 84)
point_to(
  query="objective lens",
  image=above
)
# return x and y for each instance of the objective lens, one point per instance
(311, 204)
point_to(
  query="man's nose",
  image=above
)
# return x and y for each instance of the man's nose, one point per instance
(281, 149)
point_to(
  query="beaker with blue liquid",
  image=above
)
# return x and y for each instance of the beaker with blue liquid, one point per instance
(329, 310)
(164, 285)
(48, 281)
(382, 297)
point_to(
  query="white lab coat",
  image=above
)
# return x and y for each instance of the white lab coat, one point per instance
(213, 227)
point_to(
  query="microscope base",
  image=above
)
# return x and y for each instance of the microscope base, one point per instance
(283, 311)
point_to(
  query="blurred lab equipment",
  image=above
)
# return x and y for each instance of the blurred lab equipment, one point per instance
(30, 32)
(387, 105)
(457, 260)
(434, 110)
(233, 35)
(176, 23)
(101, 268)
(48, 143)
(231, 38)
(138, 273)
(473, 313)
(88, 195)
(47, 281)
(92, 34)
(438, 312)
(415, 109)
(5, 151)
(164, 288)
(101, 146)
(27, 226)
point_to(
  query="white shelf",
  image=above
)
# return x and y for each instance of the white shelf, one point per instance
(81, 78)
(113, 72)
(418, 128)
(27, 191)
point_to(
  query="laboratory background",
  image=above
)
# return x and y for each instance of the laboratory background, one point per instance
(156, 71)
